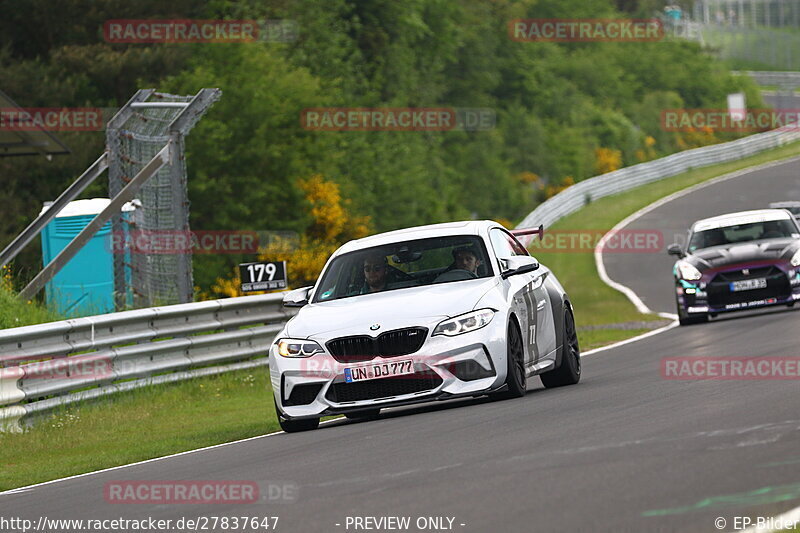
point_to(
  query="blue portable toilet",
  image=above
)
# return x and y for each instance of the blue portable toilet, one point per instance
(85, 285)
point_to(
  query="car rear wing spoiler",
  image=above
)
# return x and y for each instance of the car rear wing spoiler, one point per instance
(529, 231)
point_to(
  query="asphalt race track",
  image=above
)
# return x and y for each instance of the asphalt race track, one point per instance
(625, 450)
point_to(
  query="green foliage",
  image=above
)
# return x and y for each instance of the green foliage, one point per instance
(556, 104)
(14, 313)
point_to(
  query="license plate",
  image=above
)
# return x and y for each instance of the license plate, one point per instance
(378, 370)
(748, 284)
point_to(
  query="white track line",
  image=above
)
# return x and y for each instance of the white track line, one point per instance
(154, 459)
(790, 520)
(632, 339)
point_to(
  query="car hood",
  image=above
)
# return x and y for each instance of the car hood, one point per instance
(417, 306)
(756, 251)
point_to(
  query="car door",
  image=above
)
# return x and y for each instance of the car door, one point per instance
(530, 300)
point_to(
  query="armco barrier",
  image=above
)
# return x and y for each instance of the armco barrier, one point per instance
(573, 198)
(46, 363)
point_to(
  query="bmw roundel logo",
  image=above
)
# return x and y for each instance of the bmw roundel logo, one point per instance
(374, 327)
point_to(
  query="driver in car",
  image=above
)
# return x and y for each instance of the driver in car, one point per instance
(375, 274)
(466, 259)
(714, 237)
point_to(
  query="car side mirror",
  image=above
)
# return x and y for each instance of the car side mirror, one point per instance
(675, 249)
(297, 297)
(519, 264)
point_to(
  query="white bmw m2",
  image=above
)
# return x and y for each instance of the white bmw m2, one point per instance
(425, 313)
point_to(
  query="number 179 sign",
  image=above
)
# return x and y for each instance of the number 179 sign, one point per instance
(263, 276)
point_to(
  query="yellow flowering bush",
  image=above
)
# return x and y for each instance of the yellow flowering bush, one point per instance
(331, 226)
(607, 160)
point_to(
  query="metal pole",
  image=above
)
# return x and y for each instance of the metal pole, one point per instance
(178, 129)
(72, 192)
(145, 105)
(126, 195)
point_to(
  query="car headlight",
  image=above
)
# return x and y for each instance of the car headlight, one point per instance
(298, 348)
(688, 272)
(795, 261)
(464, 323)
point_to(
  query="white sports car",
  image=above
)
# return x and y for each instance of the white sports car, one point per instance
(425, 313)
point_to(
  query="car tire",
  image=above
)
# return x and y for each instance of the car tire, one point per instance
(293, 426)
(684, 319)
(368, 414)
(515, 386)
(569, 371)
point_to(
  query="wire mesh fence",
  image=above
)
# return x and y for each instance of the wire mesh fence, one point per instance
(135, 135)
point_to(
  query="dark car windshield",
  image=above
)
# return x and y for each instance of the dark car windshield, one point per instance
(404, 264)
(771, 229)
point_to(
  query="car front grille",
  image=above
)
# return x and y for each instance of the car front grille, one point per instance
(720, 295)
(738, 275)
(352, 349)
(389, 344)
(374, 389)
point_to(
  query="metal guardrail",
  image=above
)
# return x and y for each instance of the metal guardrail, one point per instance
(787, 80)
(582, 193)
(47, 363)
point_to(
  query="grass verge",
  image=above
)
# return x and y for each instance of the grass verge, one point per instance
(168, 419)
(139, 425)
(14, 313)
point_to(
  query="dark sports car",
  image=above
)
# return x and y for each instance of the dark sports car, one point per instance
(737, 261)
(792, 206)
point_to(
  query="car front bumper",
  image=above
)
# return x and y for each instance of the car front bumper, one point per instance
(444, 367)
(713, 297)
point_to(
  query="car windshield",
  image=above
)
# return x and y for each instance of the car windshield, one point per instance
(771, 229)
(404, 264)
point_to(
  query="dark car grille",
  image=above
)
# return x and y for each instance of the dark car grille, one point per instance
(383, 388)
(720, 295)
(352, 349)
(389, 344)
(738, 275)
